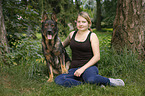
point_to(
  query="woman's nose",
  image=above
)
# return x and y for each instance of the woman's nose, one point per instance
(81, 23)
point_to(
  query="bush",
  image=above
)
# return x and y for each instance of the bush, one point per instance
(28, 56)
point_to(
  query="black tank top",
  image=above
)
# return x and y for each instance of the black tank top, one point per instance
(81, 51)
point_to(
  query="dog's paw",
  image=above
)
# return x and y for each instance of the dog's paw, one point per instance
(50, 80)
(64, 71)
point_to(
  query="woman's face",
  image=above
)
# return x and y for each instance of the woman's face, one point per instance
(82, 24)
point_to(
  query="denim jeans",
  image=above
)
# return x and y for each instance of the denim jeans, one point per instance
(90, 75)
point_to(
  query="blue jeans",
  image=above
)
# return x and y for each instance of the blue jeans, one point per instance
(90, 75)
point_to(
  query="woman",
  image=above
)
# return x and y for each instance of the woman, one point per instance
(85, 54)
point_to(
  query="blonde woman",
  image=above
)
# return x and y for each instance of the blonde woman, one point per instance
(85, 54)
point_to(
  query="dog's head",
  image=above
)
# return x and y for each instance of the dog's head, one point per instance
(49, 26)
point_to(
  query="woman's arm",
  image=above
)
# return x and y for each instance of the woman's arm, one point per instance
(67, 40)
(96, 52)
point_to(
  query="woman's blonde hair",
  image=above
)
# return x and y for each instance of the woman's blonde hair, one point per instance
(87, 17)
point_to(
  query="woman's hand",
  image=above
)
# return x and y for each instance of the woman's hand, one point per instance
(79, 72)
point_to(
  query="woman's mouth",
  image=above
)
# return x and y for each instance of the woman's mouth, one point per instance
(80, 27)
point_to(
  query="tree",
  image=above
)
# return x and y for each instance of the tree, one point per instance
(129, 26)
(109, 12)
(98, 25)
(3, 39)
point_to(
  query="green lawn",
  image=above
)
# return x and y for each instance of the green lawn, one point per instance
(28, 78)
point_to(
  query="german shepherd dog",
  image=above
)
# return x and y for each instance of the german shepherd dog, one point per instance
(57, 60)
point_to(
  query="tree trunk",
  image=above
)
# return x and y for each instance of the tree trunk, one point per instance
(3, 39)
(129, 26)
(77, 3)
(98, 25)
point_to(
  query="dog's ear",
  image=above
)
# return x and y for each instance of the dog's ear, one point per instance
(53, 17)
(44, 16)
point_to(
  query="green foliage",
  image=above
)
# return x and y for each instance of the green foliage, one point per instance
(28, 56)
(19, 19)
(125, 63)
(26, 50)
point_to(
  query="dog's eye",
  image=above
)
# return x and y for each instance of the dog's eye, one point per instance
(52, 25)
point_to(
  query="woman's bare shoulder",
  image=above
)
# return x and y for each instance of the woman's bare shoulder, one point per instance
(71, 34)
(94, 36)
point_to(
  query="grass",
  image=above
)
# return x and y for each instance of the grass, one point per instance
(28, 76)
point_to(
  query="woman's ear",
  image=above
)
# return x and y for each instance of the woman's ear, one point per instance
(90, 25)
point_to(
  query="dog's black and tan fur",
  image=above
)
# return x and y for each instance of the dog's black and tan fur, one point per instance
(52, 48)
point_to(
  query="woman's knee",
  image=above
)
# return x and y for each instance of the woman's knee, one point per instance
(59, 79)
(91, 70)
(90, 80)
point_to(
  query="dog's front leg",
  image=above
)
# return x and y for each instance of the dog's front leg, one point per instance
(63, 67)
(50, 70)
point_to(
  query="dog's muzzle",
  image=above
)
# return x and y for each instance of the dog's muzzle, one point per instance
(49, 34)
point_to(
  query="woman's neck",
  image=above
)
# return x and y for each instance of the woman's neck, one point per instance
(81, 36)
(82, 32)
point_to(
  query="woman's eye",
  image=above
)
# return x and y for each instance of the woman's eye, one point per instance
(83, 21)
(78, 21)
